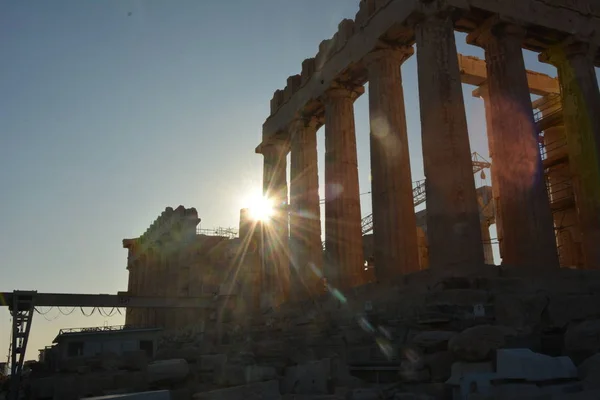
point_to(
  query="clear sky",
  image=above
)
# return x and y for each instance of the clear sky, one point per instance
(106, 118)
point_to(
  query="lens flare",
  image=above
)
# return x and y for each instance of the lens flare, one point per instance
(261, 208)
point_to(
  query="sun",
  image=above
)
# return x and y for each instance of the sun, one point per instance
(261, 208)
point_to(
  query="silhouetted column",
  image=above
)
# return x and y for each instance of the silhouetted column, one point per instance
(395, 238)
(343, 234)
(529, 239)
(305, 218)
(453, 229)
(581, 110)
(276, 233)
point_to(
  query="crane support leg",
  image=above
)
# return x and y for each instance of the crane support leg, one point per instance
(22, 314)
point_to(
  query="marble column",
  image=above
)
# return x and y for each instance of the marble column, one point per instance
(581, 105)
(395, 238)
(275, 233)
(453, 229)
(305, 219)
(529, 239)
(484, 93)
(343, 233)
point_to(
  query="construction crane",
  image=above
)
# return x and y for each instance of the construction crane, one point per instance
(22, 304)
(419, 194)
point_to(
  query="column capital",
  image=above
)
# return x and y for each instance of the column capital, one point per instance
(339, 91)
(273, 147)
(498, 27)
(390, 53)
(567, 50)
(303, 121)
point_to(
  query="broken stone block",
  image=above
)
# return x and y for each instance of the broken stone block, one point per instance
(309, 378)
(524, 364)
(520, 310)
(254, 391)
(479, 342)
(432, 341)
(583, 339)
(589, 372)
(168, 371)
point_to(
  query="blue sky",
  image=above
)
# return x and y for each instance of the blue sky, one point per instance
(106, 119)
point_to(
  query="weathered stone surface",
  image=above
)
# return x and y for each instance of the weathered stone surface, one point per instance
(453, 229)
(395, 238)
(477, 343)
(589, 372)
(520, 310)
(583, 339)
(254, 391)
(524, 364)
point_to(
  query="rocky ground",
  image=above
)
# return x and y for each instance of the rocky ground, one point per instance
(485, 333)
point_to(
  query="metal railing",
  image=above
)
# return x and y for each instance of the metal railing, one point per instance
(229, 233)
(554, 100)
(111, 328)
(552, 147)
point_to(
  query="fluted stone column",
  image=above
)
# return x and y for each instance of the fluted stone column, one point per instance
(581, 109)
(484, 93)
(529, 239)
(395, 238)
(305, 217)
(276, 232)
(453, 227)
(566, 223)
(343, 234)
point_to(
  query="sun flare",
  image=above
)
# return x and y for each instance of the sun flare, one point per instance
(261, 208)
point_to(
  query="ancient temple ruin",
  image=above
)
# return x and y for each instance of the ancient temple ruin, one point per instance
(544, 193)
